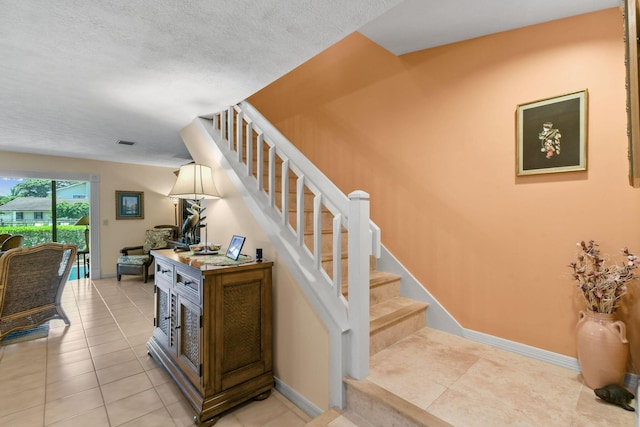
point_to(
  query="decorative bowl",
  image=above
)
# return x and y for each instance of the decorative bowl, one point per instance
(214, 247)
(196, 248)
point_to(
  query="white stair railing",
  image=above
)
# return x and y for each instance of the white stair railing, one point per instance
(312, 223)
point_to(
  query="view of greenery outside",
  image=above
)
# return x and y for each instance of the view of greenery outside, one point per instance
(34, 235)
(66, 215)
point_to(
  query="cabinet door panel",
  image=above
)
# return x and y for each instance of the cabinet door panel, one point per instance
(244, 342)
(164, 305)
(241, 337)
(189, 340)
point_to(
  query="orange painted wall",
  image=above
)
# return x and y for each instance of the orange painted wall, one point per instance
(431, 136)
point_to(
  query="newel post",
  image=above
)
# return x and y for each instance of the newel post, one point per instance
(359, 247)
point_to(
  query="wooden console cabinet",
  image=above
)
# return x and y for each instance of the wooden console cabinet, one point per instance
(212, 332)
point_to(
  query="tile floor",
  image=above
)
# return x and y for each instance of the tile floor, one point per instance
(469, 384)
(97, 373)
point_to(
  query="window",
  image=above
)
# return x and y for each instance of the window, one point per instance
(43, 210)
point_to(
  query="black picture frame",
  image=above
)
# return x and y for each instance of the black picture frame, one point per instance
(552, 135)
(235, 246)
(129, 204)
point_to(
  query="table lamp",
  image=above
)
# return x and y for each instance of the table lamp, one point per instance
(194, 182)
(85, 221)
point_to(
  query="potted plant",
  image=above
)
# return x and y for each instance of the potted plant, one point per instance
(602, 344)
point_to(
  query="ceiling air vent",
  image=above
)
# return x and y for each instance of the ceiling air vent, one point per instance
(121, 142)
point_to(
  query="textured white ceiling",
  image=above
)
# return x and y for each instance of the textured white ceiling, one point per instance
(77, 75)
(421, 24)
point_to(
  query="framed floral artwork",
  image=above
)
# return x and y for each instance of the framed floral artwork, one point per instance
(552, 135)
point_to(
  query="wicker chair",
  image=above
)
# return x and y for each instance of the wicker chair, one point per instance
(3, 237)
(12, 242)
(31, 283)
(136, 260)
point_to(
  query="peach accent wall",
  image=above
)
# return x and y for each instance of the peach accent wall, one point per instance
(431, 136)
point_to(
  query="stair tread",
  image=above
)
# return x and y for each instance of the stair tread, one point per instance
(376, 278)
(379, 396)
(308, 209)
(328, 257)
(324, 231)
(392, 311)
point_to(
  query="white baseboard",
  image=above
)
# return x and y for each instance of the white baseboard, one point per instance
(297, 399)
(630, 380)
(523, 349)
(637, 398)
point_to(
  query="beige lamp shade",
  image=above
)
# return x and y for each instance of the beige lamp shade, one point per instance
(195, 182)
(83, 221)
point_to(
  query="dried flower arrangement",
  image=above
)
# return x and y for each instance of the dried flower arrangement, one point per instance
(602, 285)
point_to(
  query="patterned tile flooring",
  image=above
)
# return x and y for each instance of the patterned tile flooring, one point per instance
(97, 373)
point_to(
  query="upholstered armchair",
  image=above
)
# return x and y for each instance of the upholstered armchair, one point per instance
(31, 283)
(136, 260)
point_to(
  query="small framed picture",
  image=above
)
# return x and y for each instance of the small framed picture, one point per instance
(235, 246)
(552, 135)
(129, 205)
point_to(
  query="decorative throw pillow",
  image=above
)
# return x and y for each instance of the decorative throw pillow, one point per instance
(156, 239)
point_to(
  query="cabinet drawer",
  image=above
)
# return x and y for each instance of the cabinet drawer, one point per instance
(189, 285)
(164, 271)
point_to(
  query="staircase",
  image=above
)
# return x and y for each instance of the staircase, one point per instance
(324, 237)
(392, 318)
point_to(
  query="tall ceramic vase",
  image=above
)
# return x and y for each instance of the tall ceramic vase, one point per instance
(602, 349)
